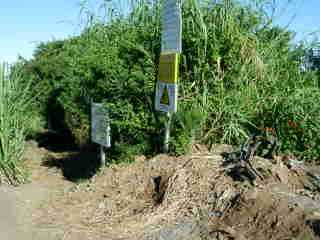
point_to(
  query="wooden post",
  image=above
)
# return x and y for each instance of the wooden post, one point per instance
(167, 133)
(102, 156)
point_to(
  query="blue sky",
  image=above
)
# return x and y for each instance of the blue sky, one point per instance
(25, 23)
(302, 16)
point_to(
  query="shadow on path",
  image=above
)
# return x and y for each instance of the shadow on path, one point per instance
(56, 142)
(75, 166)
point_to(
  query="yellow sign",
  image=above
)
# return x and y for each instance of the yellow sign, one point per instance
(165, 97)
(167, 87)
(169, 68)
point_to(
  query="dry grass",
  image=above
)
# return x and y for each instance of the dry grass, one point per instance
(119, 202)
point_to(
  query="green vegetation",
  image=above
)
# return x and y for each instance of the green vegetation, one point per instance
(239, 75)
(15, 123)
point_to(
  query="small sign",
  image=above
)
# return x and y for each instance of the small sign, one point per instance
(171, 27)
(166, 97)
(167, 88)
(100, 125)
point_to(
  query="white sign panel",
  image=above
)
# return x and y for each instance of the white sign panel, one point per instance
(166, 97)
(100, 125)
(171, 26)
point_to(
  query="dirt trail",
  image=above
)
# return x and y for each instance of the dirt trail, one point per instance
(19, 206)
(189, 198)
(8, 216)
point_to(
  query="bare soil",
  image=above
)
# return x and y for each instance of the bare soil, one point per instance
(165, 197)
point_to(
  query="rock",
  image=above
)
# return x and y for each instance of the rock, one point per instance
(184, 230)
(307, 204)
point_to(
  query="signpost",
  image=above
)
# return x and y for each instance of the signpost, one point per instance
(100, 129)
(171, 47)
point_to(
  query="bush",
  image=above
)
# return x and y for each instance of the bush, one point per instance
(239, 74)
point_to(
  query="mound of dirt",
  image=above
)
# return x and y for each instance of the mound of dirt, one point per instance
(190, 197)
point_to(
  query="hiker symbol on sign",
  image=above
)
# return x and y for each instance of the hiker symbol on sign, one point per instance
(166, 95)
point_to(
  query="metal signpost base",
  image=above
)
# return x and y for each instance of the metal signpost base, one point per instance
(102, 157)
(167, 133)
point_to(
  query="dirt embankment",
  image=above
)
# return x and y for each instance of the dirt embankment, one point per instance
(190, 197)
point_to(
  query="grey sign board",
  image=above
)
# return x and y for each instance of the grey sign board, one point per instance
(100, 125)
(172, 26)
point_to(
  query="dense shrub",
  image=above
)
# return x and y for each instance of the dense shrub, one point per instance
(239, 74)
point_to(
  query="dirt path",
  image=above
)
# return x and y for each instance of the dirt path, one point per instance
(19, 206)
(8, 215)
(121, 203)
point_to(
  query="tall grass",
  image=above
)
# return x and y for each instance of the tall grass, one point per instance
(14, 118)
(248, 72)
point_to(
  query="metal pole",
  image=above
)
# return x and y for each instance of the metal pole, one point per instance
(102, 156)
(167, 133)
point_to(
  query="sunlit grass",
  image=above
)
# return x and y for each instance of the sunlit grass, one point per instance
(14, 118)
